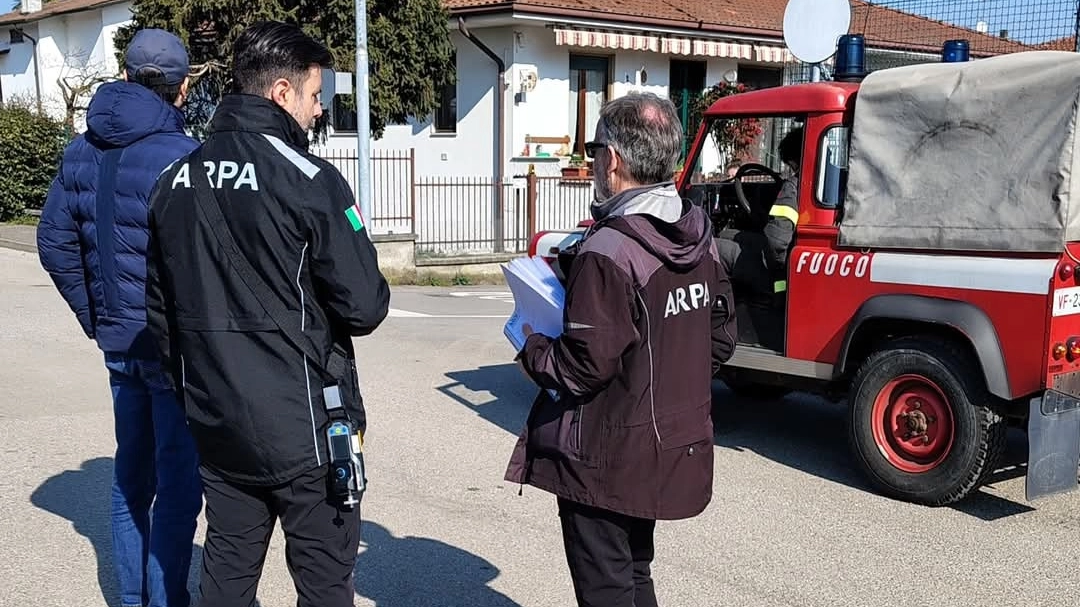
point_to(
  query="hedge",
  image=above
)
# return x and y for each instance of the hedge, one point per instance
(31, 145)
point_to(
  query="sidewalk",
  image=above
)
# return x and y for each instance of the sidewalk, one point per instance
(20, 238)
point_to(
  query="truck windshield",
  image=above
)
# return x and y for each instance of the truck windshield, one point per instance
(732, 142)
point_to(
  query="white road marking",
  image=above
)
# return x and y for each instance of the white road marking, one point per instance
(396, 313)
(504, 296)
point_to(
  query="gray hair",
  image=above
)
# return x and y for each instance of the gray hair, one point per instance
(644, 129)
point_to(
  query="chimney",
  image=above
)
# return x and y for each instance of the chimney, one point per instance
(1004, 34)
(29, 6)
(982, 27)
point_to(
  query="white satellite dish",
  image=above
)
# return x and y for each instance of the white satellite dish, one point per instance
(812, 27)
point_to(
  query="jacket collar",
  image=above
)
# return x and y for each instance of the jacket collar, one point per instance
(661, 200)
(251, 113)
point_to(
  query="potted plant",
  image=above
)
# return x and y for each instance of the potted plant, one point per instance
(576, 168)
(678, 171)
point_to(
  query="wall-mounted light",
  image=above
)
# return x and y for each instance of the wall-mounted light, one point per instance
(527, 78)
(644, 75)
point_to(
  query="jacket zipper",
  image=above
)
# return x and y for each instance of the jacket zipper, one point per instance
(580, 422)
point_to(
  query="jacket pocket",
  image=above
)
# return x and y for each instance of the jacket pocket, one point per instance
(556, 431)
(686, 429)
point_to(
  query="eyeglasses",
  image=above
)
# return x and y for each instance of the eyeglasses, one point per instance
(591, 147)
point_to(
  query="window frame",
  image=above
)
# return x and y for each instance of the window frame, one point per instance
(824, 143)
(443, 121)
(337, 110)
(578, 147)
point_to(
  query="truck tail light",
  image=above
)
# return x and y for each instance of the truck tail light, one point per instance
(1073, 346)
(1065, 271)
(1059, 351)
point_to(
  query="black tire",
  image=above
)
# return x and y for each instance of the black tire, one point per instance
(979, 429)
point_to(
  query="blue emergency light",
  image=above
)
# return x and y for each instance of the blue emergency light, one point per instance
(954, 51)
(850, 58)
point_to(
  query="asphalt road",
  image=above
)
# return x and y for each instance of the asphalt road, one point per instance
(791, 523)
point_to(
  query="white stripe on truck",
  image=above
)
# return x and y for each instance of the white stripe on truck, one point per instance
(1030, 276)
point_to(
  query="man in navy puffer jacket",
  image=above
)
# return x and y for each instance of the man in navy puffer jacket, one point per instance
(92, 242)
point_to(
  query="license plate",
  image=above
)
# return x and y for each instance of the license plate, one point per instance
(1055, 402)
(1067, 301)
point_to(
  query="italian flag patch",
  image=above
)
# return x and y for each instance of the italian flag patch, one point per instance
(355, 218)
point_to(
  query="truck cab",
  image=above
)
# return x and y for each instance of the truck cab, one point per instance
(930, 285)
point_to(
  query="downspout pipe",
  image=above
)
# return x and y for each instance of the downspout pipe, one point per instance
(37, 72)
(500, 129)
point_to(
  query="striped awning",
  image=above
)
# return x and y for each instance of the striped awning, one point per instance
(772, 54)
(669, 45)
(611, 40)
(706, 48)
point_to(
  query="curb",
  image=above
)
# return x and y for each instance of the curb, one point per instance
(18, 246)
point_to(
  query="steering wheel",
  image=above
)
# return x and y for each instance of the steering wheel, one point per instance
(752, 168)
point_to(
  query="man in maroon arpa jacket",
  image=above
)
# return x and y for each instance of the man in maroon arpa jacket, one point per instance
(649, 319)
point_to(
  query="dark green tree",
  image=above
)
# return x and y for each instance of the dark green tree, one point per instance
(410, 54)
(33, 143)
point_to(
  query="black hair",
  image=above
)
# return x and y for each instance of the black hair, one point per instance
(790, 147)
(269, 50)
(153, 79)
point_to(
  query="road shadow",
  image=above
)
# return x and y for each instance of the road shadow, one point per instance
(509, 394)
(413, 571)
(800, 431)
(808, 434)
(84, 497)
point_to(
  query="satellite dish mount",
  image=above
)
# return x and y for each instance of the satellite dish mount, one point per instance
(813, 31)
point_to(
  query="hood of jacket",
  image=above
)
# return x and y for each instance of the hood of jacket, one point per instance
(121, 113)
(254, 114)
(656, 216)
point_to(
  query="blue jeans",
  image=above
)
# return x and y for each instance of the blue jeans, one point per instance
(156, 465)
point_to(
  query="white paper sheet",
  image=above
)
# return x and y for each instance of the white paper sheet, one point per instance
(539, 298)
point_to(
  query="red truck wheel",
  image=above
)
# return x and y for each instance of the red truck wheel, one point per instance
(922, 424)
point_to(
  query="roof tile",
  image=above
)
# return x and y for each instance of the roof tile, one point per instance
(883, 27)
(56, 7)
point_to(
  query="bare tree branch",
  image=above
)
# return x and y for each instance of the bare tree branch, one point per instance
(202, 69)
(79, 84)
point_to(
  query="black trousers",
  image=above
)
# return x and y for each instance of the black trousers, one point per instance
(609, 555)
(321, 541)
(746, 252)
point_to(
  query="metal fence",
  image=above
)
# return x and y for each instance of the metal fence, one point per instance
(463, 215)
(393, 173)
(905, 32)
(460, 215)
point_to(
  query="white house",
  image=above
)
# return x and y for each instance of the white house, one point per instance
(62, 41)
(532, 76)
(547, 67)
(531, 79)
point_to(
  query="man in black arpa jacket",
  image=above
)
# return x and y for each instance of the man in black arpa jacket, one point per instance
(260, 272)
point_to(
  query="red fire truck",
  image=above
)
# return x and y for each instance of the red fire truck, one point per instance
(933, 283)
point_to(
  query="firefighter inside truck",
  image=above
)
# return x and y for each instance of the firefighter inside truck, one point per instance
(755, 223)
